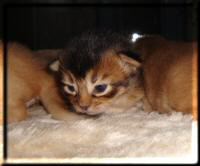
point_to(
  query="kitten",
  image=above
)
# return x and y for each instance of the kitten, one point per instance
(98, 73)
(170, 74)
(27, 79)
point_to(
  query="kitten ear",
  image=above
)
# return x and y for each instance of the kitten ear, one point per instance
(130, 65)
(54, 66)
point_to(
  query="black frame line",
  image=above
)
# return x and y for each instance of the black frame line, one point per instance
(13, 5)
(4, 84)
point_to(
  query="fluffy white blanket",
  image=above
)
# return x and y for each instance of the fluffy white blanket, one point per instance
(120, 137)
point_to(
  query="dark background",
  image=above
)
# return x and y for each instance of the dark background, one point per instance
(51, 26)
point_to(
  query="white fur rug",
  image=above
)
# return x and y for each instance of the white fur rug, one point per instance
(130, 135)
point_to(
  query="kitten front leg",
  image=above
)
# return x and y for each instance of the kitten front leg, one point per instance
(55, 105)
(147, 105)
(160, 108)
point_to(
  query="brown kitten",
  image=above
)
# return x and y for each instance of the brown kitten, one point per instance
(96, 75)
(170, 74)
(27, 79)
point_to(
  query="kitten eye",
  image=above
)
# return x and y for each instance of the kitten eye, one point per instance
(100, 88)
(70, 89)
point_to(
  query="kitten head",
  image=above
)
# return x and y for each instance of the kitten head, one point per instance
(97, 75)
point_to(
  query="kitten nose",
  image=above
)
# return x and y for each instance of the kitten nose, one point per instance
(84, 107)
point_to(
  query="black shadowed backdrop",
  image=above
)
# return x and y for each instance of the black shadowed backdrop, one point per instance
(51, 26)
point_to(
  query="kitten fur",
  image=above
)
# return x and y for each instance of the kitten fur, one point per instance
(99, 59)
(47, 56)
(170, 74)
(86, 51)
(28, 79)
